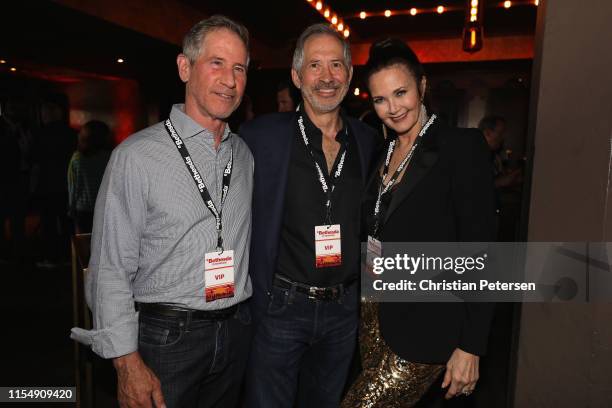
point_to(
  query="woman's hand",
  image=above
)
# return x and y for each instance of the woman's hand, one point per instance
(461, 373)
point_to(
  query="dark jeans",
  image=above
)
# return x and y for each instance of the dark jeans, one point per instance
(200, 363)
(295, 330)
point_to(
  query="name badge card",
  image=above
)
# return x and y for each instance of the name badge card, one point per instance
(219, 275)
(328, 251)
(374, 250)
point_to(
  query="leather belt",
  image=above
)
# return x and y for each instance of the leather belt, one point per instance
(328, 293)
(171, 310)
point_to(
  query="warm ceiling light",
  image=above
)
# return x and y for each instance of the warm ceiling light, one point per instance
(13, 69)
(440, 9)
(413, 11)
(387, 13)
(473, 18)
(507, 4)
(2, 61)
(334, 20)
(120, 60)
(347, 32)
(473, 11)
(356, 92)
(474, 3)
(319, 5)
(310, 1)
(363, 15)
(536, 2)
(326, 14)
(340, 27)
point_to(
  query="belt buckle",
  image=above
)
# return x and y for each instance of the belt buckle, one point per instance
(313, 292)
(322, 293)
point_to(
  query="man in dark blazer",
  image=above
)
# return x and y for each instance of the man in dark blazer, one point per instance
(310, 172)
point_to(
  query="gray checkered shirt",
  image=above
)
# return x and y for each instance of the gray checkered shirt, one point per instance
(151, 229)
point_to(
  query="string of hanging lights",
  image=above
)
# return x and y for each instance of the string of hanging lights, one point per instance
(437, 9)
(334, 19)
(472, 30)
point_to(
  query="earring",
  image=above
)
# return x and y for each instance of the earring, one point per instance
(424, 116)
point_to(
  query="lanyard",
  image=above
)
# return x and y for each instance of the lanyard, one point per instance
(197, 178)
(383, 190)
(327, 190)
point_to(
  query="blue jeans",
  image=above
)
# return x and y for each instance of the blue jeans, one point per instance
(294, 330)
(200, 363)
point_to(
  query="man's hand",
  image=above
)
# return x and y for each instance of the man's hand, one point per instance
(137, 385)
(461, 373)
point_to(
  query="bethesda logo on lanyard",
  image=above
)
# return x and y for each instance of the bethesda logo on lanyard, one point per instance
(383, 189)
(328, 239)
(218, 265)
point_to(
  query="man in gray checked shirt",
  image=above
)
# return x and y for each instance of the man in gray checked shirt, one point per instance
(168, 272)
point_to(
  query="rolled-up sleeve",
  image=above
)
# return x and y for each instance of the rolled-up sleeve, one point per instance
(119, 219)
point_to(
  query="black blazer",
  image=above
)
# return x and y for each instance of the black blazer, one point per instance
(270, 138)
(446, 195)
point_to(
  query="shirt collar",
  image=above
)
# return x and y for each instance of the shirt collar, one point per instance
(312, 130)
(186, 127)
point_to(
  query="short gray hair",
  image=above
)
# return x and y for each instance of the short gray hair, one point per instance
(319, 29)
(192, 43)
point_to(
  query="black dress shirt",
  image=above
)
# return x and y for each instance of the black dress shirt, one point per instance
(305, 209)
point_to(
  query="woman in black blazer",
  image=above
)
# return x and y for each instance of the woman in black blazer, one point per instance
(435, 185)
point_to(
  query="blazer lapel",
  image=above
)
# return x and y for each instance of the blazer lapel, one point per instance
(425, 157)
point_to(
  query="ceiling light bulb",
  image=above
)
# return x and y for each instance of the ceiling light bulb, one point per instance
(334, 20)
(363, 15)
(474, 3)
(319, 5)
(413, 11)
(120, 60)
(347, 33)
(326, 14)
(387, 13)
(507, 4)
(340, 27)
(356, 92)
(440, 9)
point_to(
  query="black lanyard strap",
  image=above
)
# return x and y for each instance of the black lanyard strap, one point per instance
(327, 186)
(197, 178)
(382, 188)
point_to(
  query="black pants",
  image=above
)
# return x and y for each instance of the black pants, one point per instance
(200, 363)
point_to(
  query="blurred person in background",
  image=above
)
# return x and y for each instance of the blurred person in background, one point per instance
(15, 163)
(85, 172)
(54, 144)
(287, 97)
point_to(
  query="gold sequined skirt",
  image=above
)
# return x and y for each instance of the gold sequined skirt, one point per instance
(386, 380)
